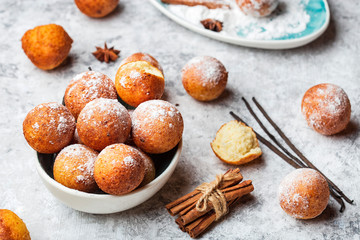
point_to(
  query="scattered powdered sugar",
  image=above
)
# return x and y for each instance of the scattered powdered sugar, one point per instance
(80, 178)
(256, 7)
(135, 74)
(54, 105)
(123, 81)
(289, 18)
(209, 69)
(35, 126)
(63, 123)
(129, 161)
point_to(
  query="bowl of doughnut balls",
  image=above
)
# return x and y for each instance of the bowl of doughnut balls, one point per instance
(97, 156)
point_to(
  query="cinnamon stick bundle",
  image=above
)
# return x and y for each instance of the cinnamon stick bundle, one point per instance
(230, 193)
(231, 178)
(191, 219)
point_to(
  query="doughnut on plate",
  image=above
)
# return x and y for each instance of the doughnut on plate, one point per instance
(317, 10)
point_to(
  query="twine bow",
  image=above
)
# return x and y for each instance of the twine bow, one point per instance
(212, 193)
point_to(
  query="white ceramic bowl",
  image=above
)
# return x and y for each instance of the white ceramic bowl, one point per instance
(104, 203)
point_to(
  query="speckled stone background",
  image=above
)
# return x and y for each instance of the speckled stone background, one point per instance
(277, 78)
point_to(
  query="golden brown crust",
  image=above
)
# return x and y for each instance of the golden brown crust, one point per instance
(242, 158)
(119, 169)
(136, 82)
(326, 108)
(96, 8)
(47, 46)
(204, 78)
(139, 56)
(12, 227)
(157, 126)
(149, 169)
(86, 87)
(103, 122)
(49, 127)
(74, 168)
(304, 193)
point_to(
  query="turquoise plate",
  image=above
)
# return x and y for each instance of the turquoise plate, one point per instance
(318, 10)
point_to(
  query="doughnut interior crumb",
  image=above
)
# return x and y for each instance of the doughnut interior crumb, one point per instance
(236, 143)
(144, 66)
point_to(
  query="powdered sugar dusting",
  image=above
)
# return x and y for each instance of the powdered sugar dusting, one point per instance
(129, 161)
(80, 161)
(209, 70)
(35, 126)
(292, 190)
(107, 108)
(93, 85)
(135, 74)
(324, 103)
(123, 81)
(256, 7)
(290, 18)
(57, 118)
(149, 112)
(63, 123)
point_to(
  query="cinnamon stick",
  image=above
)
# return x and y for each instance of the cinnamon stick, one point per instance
(230, 194)
(184, 202)
(186, 210)
(181, 226)
(201, 224)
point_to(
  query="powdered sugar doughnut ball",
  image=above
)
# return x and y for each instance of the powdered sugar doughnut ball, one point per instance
(119, 169)
(74, 167)
(139, 81)
(49, 127)
(304, 193)
(204, 78)
(86, 87)
(326, 108)
(257, 8)
(103, 122)
(157, 126)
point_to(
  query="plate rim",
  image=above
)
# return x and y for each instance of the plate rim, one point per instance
(264, 44)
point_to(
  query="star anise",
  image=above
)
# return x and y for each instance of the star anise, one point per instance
(106, 54)
(212, 24)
